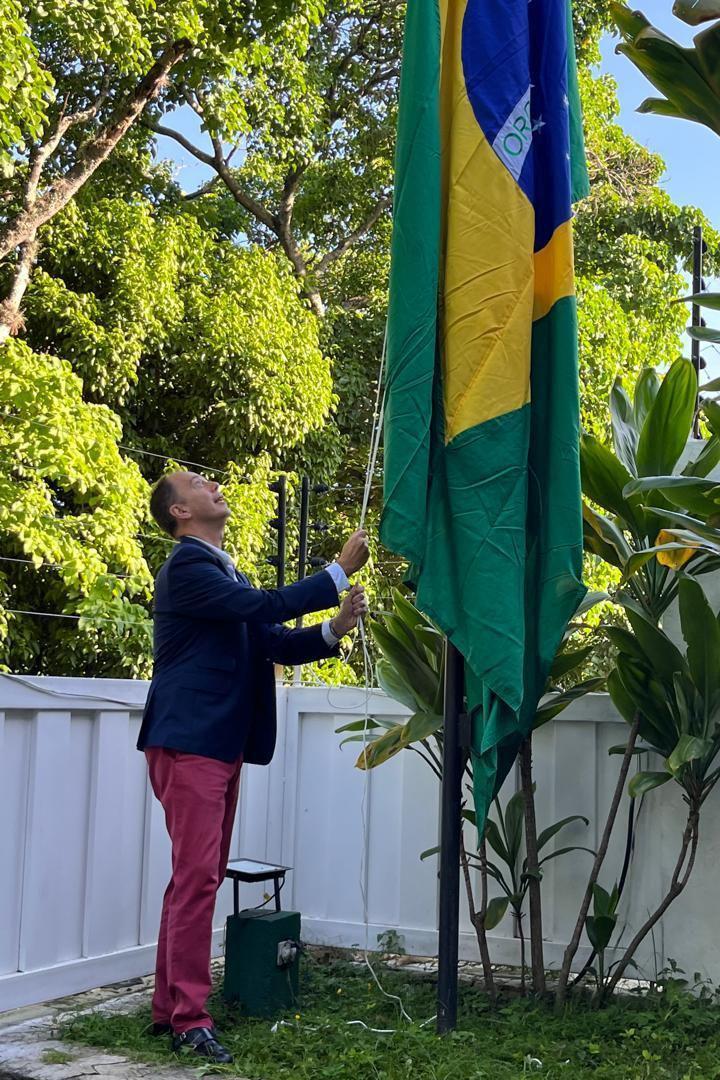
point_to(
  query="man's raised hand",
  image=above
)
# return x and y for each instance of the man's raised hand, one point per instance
(353, 608)
(355, 553)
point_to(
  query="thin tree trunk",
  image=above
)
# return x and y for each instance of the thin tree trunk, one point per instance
(20, 228)
(678, 882)
(523, 965)
(10, 318)
(572, 948)
(478, 917)
(537, 960)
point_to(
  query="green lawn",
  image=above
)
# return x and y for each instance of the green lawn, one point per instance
(676, 1036)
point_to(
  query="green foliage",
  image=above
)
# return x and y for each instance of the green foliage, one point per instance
(687, 77)
(24, 86)
(666, 1036)
(71, 503)
(600, 927)
(676, 692)
(635, 533)
(506, 838)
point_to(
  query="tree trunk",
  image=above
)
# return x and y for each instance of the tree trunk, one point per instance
(22, 227)
(478, 917)
(572, 948)
(537, 960)
(678, 882)
(10, 318)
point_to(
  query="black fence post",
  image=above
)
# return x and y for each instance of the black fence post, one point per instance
(696, 320)
(279, 486)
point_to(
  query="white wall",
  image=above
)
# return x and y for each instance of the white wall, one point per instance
(84, 856)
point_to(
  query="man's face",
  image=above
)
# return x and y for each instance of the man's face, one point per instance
(197, 500)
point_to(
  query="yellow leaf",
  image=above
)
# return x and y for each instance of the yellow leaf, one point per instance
(676, 557)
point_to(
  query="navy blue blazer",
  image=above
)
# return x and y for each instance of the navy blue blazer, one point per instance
(215, 642)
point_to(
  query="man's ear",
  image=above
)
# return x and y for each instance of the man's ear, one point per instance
(179, 511)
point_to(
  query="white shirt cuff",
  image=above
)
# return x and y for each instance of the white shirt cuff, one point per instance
(329, 636)
(339, 576)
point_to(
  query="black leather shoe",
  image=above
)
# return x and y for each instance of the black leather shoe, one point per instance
(202, 1041)
(156, 1030)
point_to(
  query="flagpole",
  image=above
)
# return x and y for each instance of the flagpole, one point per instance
(450, 825)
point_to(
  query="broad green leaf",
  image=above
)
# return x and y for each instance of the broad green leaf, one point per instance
(704, 333)
(604, 479)
(692, 493)
(701, 632)
(421, 726)
(689, 748)
(495, 840)
(564, 851)
(514, 824)
(646, 390)
(621, 699)
(382, 749)
(565, 662)
(554, 704)
(663, 655)
(359, 725)
(414, 671)
(702, 299)
(552, 830)
(609, 532)
(600, 929)
(643, 782)
(625, 435)
(495, 912)
(428, 852)
(395, 685)
(695, 12)
(706, 460)
(668, 423)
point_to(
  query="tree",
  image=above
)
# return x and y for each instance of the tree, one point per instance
(203, 351)
(87, 72)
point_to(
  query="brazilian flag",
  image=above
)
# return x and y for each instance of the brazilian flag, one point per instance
(482, 479)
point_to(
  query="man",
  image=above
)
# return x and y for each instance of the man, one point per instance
(210, 708)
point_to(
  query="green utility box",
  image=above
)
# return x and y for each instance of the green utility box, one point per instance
(262, 961)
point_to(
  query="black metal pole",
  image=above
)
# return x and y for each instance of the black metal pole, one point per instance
(303, 542)
(696, 288)
(282, 519)
(450, 825)
(279, 486)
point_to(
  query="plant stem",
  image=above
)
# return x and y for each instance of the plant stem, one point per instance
(680, 878)
(537, 960)
(478, 917)
(572, 947)
(518, 915)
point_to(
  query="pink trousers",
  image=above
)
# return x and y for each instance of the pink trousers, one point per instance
(199, 796)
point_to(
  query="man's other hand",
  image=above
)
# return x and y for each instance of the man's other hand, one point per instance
(353, 608)
(355, 553)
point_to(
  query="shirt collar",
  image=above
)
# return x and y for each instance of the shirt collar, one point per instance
(226, 558)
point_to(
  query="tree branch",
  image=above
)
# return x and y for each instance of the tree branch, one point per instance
(171, 133)
(572, 947)
(20, 228)
(357, 234)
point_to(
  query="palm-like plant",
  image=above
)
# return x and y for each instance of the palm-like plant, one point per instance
(672, 697)
(411, 670)
(640, 487)
(688, 78)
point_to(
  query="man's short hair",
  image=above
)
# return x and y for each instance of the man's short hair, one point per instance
(162, 498)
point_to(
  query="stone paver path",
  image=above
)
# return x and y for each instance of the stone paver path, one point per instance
(31, 1050)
